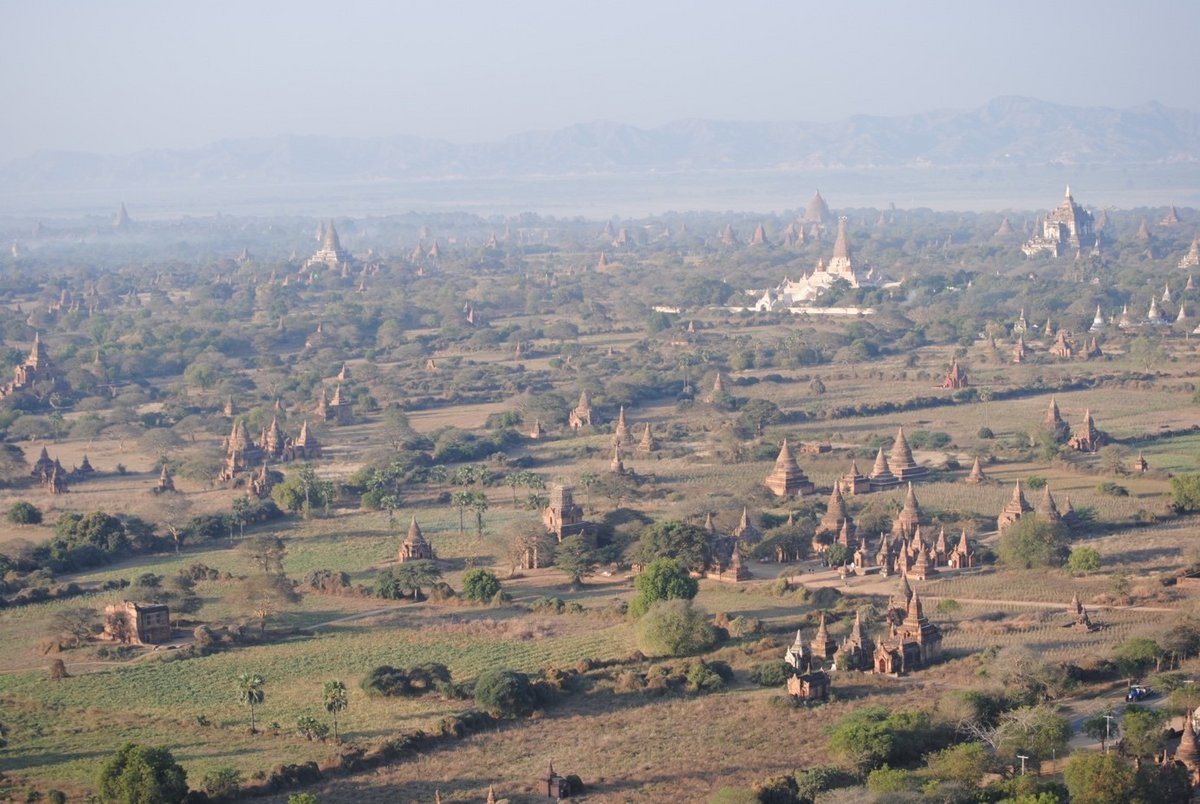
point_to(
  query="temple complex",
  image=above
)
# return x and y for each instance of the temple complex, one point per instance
(1014, 509)
(581, 416)
(562, 516)
(787, 479)
(37, 373)
(1087, 438)
(823, 645)
(1020, 351)
(900, 460)
(1046, 507)
(913, 644)
(647, 444)
(881, 474)
(976, 475)
(962, 556)
(956, 378)
(415, 547)
(337, 409)
(331, 254)
(807, 682)
(857, 649)
(908, 521)
(1192, 258)
(621, 430)
(817, 211)
(616, 465)
(745, 530)
(1063, 345)
(137, 623)
(1069, 228)
(241, 453)
(854, 482)
(836, 520)
(166, 480)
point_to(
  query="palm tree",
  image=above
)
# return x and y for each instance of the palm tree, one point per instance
(462, 500)
(336, 701)
(250, 691)
(479, 504)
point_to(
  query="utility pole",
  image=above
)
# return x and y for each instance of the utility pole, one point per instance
(1022, 757)
(1108, 719)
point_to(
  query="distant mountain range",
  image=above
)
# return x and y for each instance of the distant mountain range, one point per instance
(1009, 131)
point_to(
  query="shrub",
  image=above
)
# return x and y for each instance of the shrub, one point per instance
(1185, 490)
(662, 579)
(222, 782)
(1035, 482)
(311, 729)
(774, 673)
(1033, 542)
(504, 693)
(1111, 489)
(985, 433)
(1083, 560)
(704, 677)
(24, 513)
(674, 628)
(139, 773)
(480, 585)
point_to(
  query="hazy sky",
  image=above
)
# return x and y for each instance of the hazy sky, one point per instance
(119, 75)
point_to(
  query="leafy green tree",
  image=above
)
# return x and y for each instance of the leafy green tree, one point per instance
(139, 774)
(480, 585)
(690, 544)
(504, 693)
(413, 576)
(310, 728)
(222, 783)
(240, 511)
(24, 513)
(1101, 728)
(302, 490)
(1033, 542)
(674, 628)
(250, 692)
(1100, 778)
(877, 735)
(1144, 731)
(1136, 655)
(265, 596)
(336, 700)
(964, 764)
(266, 551)
(303, 798)
(1083, 560)
(1036, 731)
(1185, 491)
(662, 579)
(574, 557)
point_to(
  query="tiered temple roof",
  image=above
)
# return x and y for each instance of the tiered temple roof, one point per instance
(901, 462)
(854, 481)
(881, 474)
(1014, 509)
(787, 479)
(415, 547)
(909, 518)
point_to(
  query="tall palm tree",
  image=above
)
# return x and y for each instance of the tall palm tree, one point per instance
(250, 691)
(336, 701)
